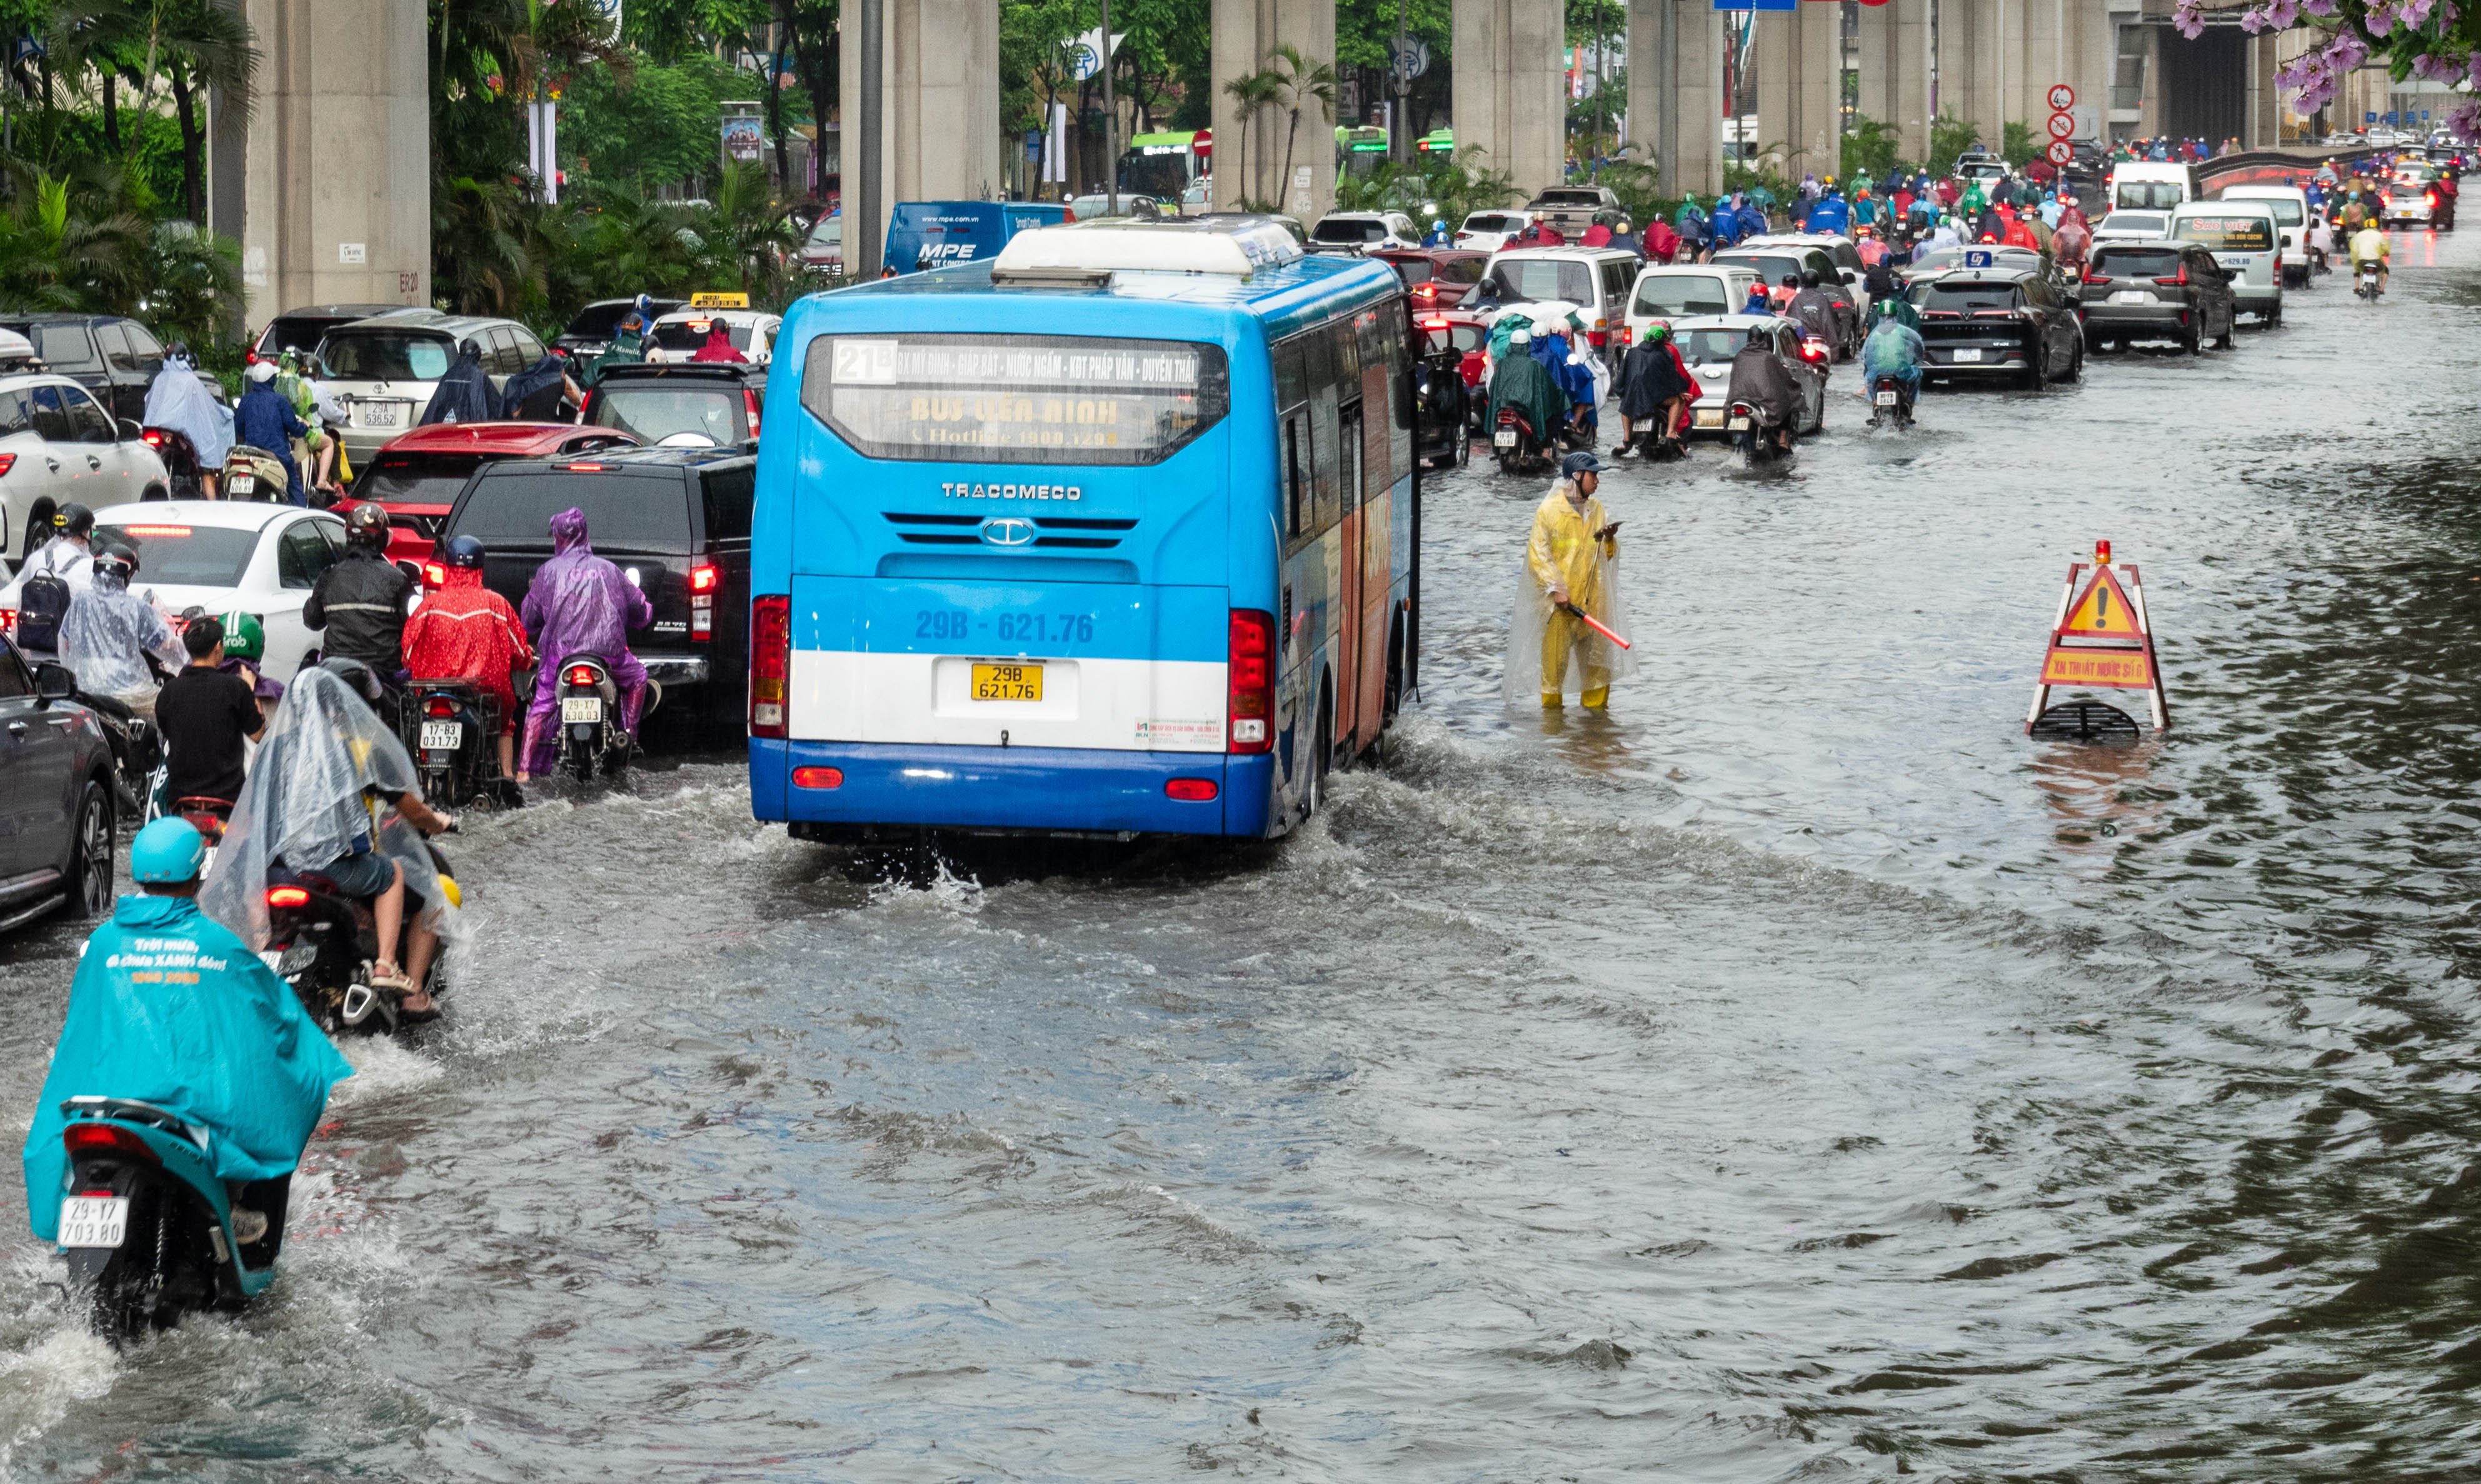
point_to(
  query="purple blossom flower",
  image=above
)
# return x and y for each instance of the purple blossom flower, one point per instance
(2318, 7)
(2185, 20)
(2413, 13)
(2379, 19)
(2283, 14)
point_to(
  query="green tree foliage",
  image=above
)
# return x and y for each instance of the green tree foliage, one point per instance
(646, 123)
(1950, 137)
(1869, 149)
(1429, 189)
(2020, 146)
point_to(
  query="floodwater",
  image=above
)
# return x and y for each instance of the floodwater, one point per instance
(1798, 1072)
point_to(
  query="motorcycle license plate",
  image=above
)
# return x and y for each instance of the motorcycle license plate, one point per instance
(1886, 399)
(1968, 353)
(94, 1220)
(1739, 424)
(575, 709)
(1504, 438)
(449, 736)
(243, 484)
(1007, 682)
(1712, 417)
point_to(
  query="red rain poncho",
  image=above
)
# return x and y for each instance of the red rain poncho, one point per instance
(464, 631)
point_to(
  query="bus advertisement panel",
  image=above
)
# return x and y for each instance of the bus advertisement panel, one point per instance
(1114, 536)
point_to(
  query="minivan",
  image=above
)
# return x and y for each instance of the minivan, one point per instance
(2245, 240)
(383, 369)
(2152, 185)
(675, 521)
(1665, 292)
(1597, 280)
(2290, 205)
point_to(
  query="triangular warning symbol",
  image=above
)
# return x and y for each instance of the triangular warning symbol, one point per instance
(2102, 611)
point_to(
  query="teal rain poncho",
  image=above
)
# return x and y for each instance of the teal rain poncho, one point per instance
(170, 1009)
(1521, 381)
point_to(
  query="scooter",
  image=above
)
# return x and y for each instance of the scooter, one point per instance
(2370, 288)
(1518, 446)
(147, 1225)
(180, 460)
(255, 473)
(454, 723)
(209, 817)
(323, 944)
(1759, 439)
(1889, 399)
(592, 738)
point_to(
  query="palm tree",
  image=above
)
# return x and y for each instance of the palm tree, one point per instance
(1251, 96)
(1299, 84)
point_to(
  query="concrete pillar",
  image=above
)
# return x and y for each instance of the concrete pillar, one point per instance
(1250, 161)
(1800, 64)
(1895, 71)
(327, 183)
(1675, 101)
(1511, 94)
(939, 135)
(2264, 129)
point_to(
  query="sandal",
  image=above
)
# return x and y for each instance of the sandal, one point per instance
(388, 977)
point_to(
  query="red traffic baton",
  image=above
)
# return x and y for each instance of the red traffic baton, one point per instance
(1591, 622)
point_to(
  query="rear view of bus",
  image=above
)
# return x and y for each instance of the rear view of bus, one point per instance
(1040, 548)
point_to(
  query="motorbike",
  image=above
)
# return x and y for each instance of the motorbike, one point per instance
(148, 1227)
(322, 943)
(180, 460)
(1520, 449)
(592, 736)
(2370, 287)
(454, 722)
(255, 473)
(1890, 400)
(1759, 438)
(208, 816)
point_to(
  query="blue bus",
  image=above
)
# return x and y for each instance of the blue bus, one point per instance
(1115, 535)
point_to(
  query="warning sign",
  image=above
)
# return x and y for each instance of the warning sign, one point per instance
(2102, 638)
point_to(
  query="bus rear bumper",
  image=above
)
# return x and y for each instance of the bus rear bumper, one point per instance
(1034, 789)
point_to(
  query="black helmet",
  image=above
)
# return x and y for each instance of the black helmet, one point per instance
(1809, 279)
(116, 561)
(464, 551)
(364, 680)
(367, 525)
(74, 518)
(1762, 336)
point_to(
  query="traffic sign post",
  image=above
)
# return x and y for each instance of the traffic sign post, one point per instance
(2062, 97)
(2102, 637)
(2061, 151)
(2062, 125)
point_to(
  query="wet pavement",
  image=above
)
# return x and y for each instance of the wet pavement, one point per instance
(1796, 1073)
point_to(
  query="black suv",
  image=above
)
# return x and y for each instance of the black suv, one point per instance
(115, 358)
(2171, 291)
(678, 518)
(590, 333)
(1997, 321)
(301, 330)
(717, 401)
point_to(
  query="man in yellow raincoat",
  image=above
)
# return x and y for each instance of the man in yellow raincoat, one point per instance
(1568, 560)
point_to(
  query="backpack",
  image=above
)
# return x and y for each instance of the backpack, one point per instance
(40, 604)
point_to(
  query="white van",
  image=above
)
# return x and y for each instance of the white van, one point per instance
(1667, 292)
(2152, 184)
(1597, 280)
(2290, 206)
(2246, 244)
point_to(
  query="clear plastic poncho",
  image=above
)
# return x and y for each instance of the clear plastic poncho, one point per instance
(321, 788)
(176, 398)
(1561, 552)
(106, 637)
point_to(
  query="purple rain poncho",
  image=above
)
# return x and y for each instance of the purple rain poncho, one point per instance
(580, 605)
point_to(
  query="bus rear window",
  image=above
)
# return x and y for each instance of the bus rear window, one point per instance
(1029, 399)
(2227, 234)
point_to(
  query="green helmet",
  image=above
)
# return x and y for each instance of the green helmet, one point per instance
(244, 637)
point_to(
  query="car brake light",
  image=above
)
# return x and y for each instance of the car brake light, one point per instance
(581, 674)
(1251, 681)
(436, 573)
(771, 663)
(2179, 282)
(85, 1138)
(8, 621)
(288, 898)
(818, 777)
(749, 402)
(1434, 324)
(703, 579)
(584, 468)
(2093, 277)
(157, 530)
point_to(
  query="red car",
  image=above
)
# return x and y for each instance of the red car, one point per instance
(1435, 275)
(417, 476)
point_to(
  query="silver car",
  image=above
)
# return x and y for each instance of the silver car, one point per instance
(1708, 343)
(383, 369)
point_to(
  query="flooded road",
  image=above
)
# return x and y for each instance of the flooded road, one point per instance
(1798, 1073)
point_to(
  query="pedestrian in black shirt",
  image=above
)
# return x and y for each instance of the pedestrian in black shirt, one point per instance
(205, 717)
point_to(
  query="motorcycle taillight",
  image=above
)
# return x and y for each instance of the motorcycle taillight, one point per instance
(581, 675)
(439, 706)
(85, 1141)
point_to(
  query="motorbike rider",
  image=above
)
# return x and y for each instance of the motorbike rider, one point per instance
(464, 393)
(580, 606)
(69, 555)
(319, 412)
(1438, 237)
(719, 347)
(361, 600)
(1653, 390)
(265, 420)
(207, 715)
(1815, 309)
(2369, 245)
(1896, 350)
(170, 1007)
(1760, 379)
(464, 631)
(178, 400)
(110, 632)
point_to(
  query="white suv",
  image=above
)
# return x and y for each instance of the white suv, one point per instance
(1341, 231)
(58, 445)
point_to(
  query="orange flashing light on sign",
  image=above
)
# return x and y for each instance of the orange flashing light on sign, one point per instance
(2102, 638)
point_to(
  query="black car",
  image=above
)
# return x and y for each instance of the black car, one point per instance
(56, 849)
(1994, 322)
(678, 518)
(112, 357)
(590, 333)
(2171, 291)
(301, 330)
(716, 400)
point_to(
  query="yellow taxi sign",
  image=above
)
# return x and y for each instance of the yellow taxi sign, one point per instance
(718, 301)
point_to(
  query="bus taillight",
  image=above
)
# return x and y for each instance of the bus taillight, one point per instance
(770, 664)
(1251, 704)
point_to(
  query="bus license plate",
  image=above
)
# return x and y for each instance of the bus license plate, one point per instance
(574, 709)
(1007, 682)
(445, 736)
(1968, 353)
(1504, 438)
(94, 1220)
(243, 484)
(1885, 399)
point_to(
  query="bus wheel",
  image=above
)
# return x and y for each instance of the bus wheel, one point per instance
(1394, 670)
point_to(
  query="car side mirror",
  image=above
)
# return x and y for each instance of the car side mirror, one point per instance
(130, 429)
(53, 683)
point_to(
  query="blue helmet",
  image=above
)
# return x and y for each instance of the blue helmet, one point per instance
(464, 551)
(168, 851)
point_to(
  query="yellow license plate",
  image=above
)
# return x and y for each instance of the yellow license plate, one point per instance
(1007, 682)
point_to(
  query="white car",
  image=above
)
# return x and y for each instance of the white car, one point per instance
(2290, 205)
(1667, 293)
(2132, 225)
(1489, 231)
(58, 445)
(1363, 230)
(680, 335)
(383, 369)
(231, 556)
